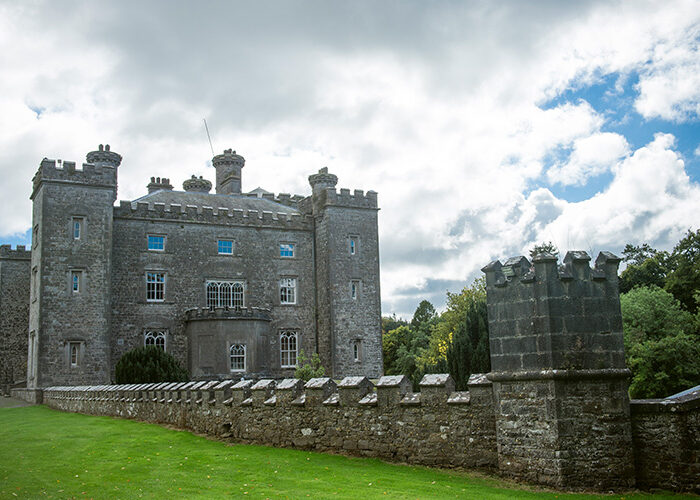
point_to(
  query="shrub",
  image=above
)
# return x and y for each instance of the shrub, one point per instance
(309, 368)
(147, 365)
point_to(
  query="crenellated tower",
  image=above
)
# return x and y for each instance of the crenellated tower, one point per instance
(69, 319)
(228, 172)
(558, 371)
(347, 276)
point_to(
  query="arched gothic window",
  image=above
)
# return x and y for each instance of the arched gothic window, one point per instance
(288, 348)
(237, 354)
(225, 294)
(154, 337)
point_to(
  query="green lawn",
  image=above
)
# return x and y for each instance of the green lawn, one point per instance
(50, 454)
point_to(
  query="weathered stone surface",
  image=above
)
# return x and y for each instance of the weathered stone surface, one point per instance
(560, 382)
(450, 435)
(15, 265)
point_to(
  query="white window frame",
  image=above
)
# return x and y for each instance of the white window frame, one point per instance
(225, 293)
(76, 227)
(289, 348)
(288, 290)
(157, 338)
(155, 286)
(148, 242)
(287, 250)
(237, 356)
(218, 247)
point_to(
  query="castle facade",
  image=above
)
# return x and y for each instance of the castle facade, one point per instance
(232, 284)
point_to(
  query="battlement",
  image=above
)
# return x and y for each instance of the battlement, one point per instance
(544, 268)
(18, 253)
(548, 317)
(358, 198)
(389, 391)
(285, 199)
(206, 313)
(210, 215)
(100, 170)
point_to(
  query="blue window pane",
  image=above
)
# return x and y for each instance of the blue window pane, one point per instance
(226, 246)
(156, 242)
(286, 250)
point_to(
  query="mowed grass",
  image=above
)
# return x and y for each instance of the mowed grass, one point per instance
(51, 454)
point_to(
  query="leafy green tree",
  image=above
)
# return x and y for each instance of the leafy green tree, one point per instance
(544, 247)
(404, 345)
(683, 281)
(308, 368)
(424, 315)
(664, 366)
(394, 343)
(149, 364)
(649, 312)
(646, 266)
(391, 323)
(469, 350)
(459, 341)
(662, 345)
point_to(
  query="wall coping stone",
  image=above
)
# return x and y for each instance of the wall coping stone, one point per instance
(265, 384)
(354, 382)
(318, 383)
(369, 400)
(459, 398)
(392, 381)
(333, 400)
(435, 380)
(605, 373)
(411, 398)
(478, 379)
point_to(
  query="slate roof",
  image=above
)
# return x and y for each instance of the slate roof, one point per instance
(230, 201)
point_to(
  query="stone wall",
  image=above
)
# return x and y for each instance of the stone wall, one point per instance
(434, 427)
(666, 436)
(14, 314)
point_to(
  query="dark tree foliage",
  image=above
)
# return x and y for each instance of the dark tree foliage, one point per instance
(425, 313)
(646, 267)
(683, 281)
(308, 368)
(391, 323)
(404, 345)
(147, 365)
(469, 350)
(544, 247)
(665, 366)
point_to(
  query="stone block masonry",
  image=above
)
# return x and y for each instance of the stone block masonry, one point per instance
(560, 381)
(433, 427)
(436, 426)
(14, 314)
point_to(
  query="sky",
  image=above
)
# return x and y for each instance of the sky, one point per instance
(485, 127)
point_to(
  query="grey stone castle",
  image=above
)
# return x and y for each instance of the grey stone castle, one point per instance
(232, 284)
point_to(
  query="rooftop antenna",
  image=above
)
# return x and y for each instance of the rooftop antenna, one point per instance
(208, 136)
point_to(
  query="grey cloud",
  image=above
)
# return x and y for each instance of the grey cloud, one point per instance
(405, 300)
